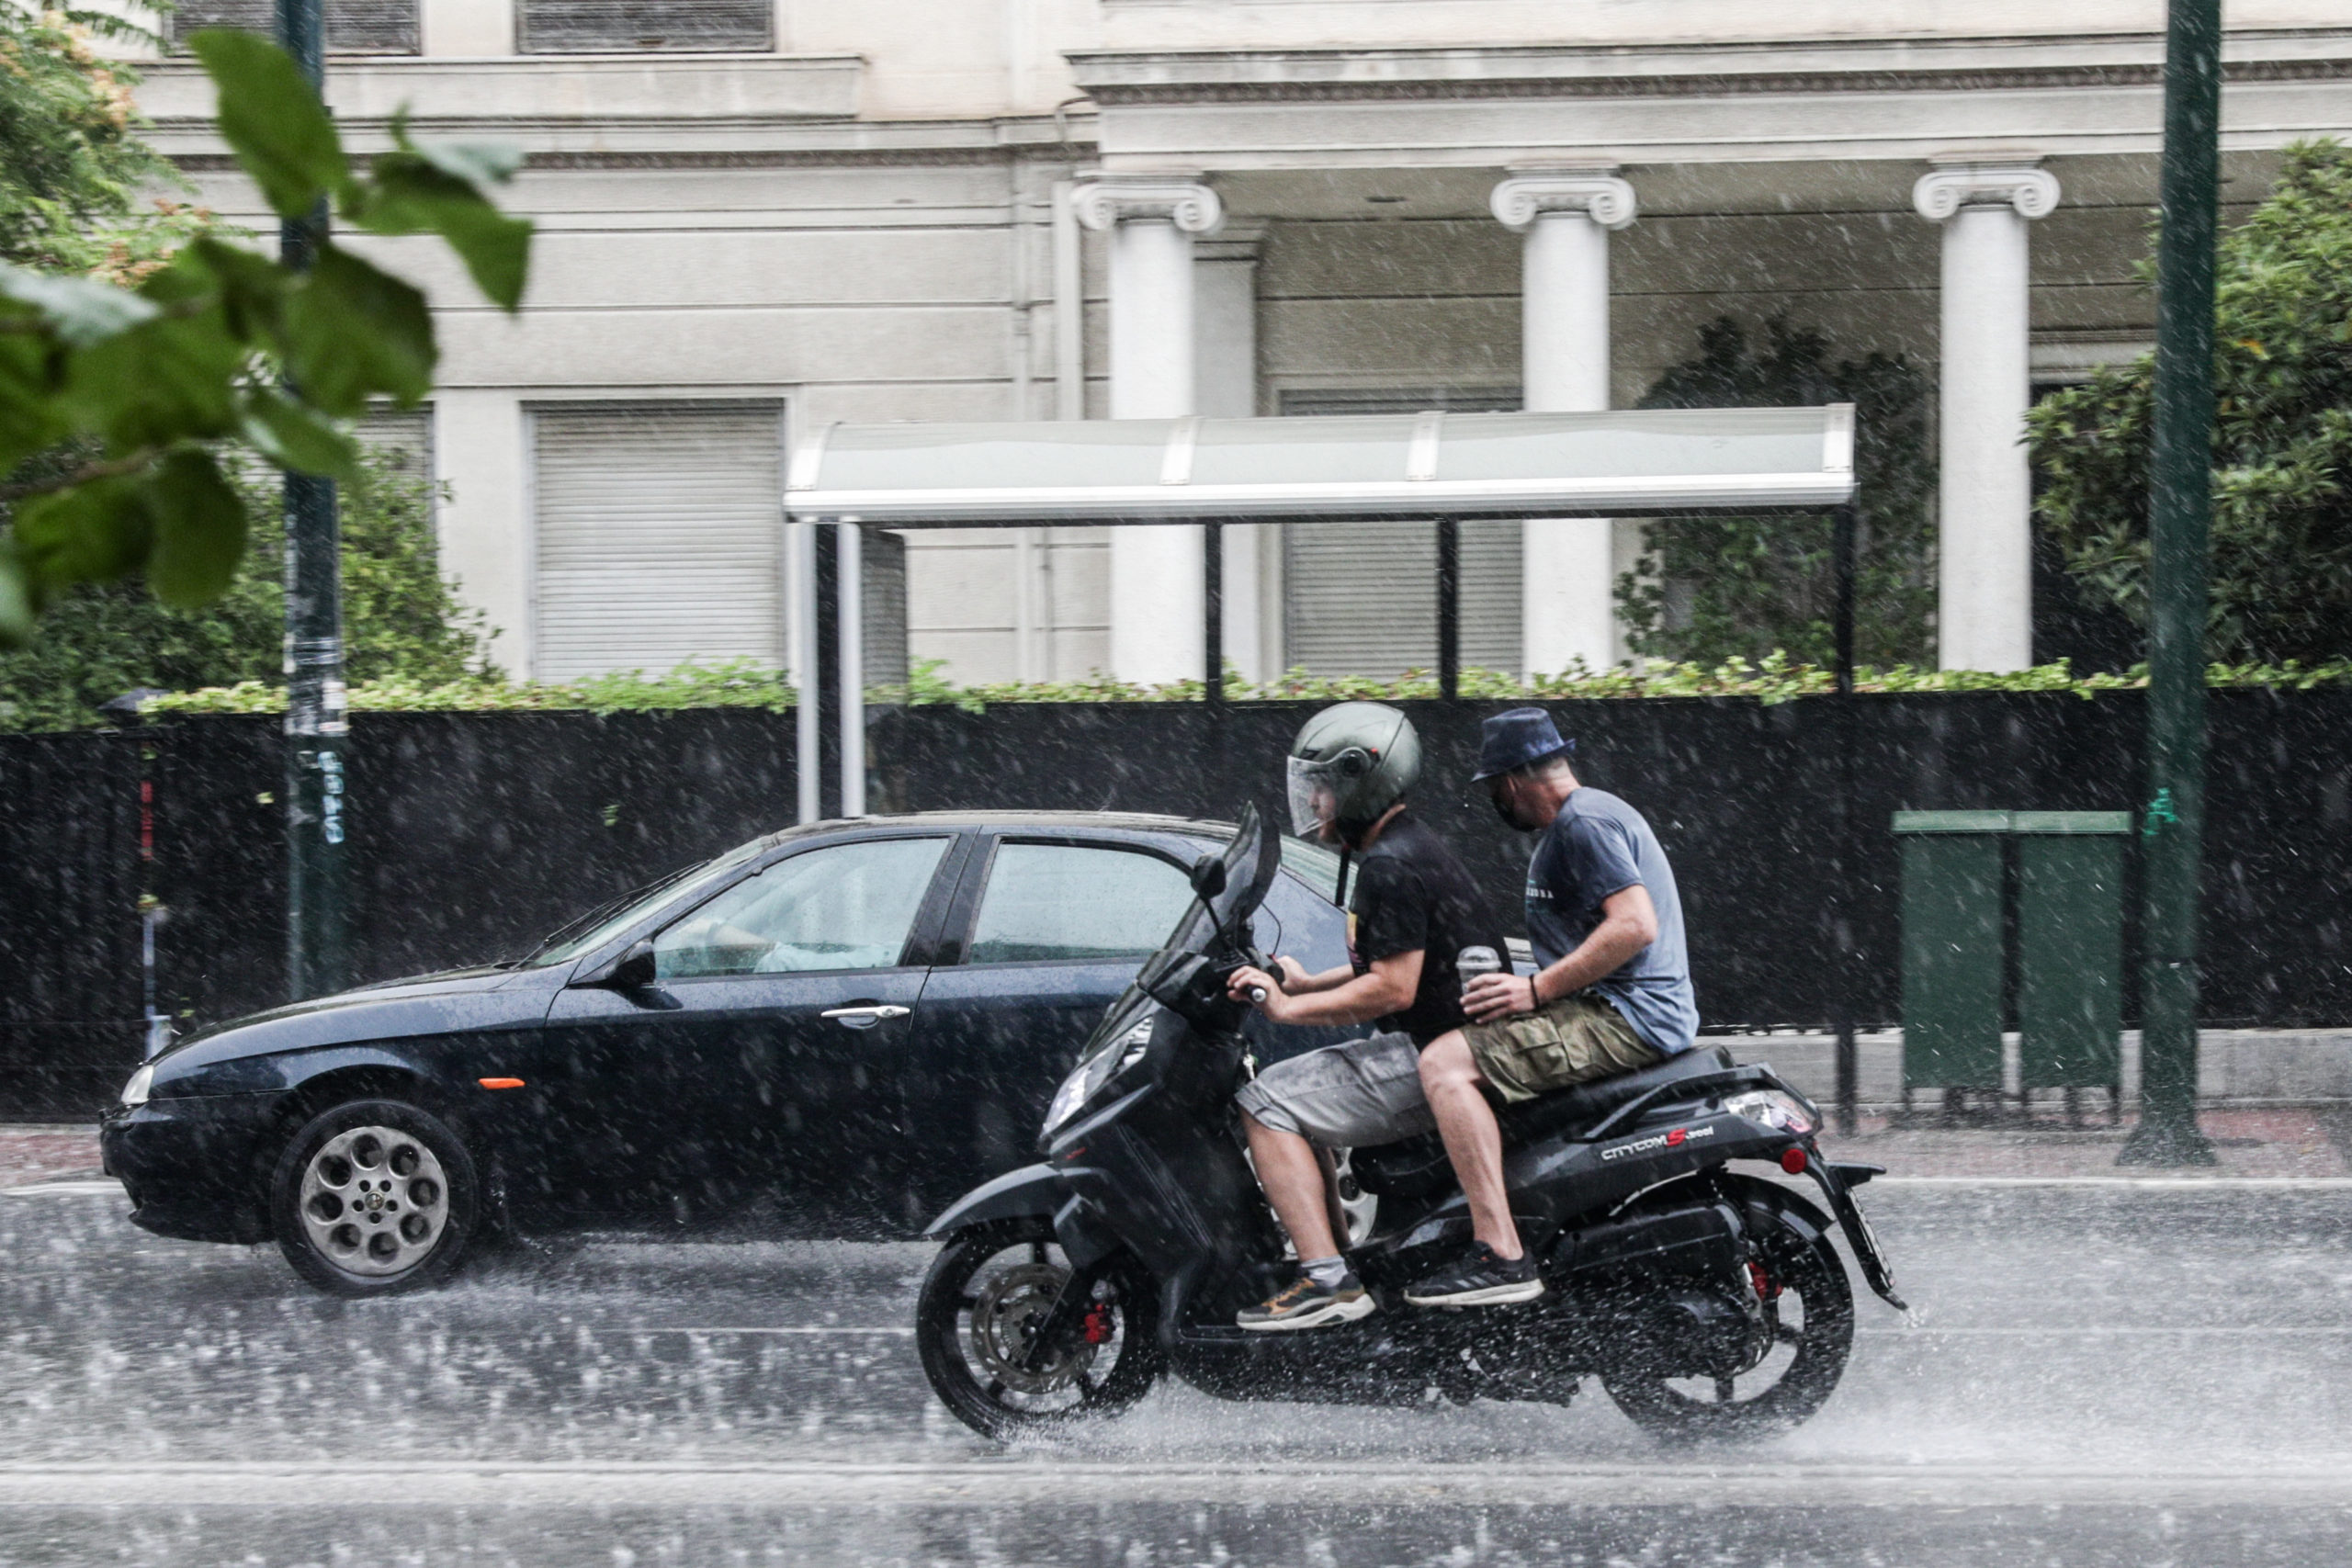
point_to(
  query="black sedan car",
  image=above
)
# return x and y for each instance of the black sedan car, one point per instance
(838, 1028)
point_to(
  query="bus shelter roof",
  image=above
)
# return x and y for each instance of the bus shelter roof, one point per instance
(1632, 463)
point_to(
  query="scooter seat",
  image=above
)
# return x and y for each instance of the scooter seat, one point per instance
(1414, 1168)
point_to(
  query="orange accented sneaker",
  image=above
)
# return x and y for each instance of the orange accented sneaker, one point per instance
(1302, 1304)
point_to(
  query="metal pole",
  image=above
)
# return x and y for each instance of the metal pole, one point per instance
(2180, 507)
(850, 620)
(1213, 612)
(316, 728)
(800, 571)
(1842, 530)
(1449, 608)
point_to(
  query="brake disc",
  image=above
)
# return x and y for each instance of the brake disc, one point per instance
(1006, 1312)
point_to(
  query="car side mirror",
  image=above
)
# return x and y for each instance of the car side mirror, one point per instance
(1208, 876)
(633, 970)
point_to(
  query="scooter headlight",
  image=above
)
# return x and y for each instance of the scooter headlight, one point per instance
(1092, 1074)
(1774, 1109)
(135, 1092)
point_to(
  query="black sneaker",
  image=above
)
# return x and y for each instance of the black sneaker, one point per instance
(1478, 1279)
(1302, 1304)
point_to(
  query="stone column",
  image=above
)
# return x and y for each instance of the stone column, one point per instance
(1567, 604)
(1155, 571)
(1984, 559)
(1225, 386)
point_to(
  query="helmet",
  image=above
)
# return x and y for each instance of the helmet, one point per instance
(1351, 763)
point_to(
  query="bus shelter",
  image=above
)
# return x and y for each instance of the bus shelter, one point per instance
(1440, 466)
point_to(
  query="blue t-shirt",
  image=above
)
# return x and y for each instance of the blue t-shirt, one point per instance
(1596, 847)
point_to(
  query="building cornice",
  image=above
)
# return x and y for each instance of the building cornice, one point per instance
(2047, 62)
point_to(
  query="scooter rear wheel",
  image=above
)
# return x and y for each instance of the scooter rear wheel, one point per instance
(988, 1290)
(1811, 1306)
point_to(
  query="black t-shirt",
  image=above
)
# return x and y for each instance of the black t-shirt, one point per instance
(1411, 893)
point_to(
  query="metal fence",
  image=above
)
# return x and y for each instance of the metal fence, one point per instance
(475, 833)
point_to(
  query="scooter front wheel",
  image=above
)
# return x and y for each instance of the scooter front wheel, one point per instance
(989, 1292)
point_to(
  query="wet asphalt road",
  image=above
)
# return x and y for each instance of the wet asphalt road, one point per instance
(2094, 1375)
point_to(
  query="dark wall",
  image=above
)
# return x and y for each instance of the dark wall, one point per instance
(473, 834)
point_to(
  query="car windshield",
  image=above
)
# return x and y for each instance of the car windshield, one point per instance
(598, 927)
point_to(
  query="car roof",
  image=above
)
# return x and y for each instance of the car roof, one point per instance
(1131, 821)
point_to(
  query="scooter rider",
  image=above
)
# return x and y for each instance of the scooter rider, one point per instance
(1613, 992)
(1412, 910)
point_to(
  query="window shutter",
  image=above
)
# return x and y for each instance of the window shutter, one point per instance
(659, 537)
(884, 617)
(631, 27)
(353, 26)
(1361, 598)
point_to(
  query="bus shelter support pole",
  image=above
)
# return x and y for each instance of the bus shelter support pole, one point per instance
(801, 570)
(1449, 608)
(849, 558)
(1842, 531)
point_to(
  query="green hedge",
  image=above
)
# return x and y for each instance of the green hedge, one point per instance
(742, 684)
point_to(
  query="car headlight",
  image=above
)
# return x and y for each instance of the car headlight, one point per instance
(1773, 1108)
(135, 1092)
(1097, 1070)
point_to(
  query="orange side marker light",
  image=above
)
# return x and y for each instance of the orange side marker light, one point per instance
(500, 1083)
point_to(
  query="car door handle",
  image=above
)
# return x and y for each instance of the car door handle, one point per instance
(865, 1017)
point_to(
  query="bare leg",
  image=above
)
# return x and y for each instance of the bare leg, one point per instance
(1287, 1170)
(1473, 1142)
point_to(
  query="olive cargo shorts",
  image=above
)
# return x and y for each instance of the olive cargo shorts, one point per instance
(1571, 1041)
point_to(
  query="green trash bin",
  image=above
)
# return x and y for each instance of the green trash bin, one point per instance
(2070, 947)
(1951, 947)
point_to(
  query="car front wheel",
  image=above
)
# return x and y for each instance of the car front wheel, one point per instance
(374, 1197)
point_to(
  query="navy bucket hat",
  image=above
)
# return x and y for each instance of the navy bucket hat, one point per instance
(1515, 738)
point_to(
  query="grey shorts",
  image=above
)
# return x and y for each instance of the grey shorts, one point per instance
(1356, 1095)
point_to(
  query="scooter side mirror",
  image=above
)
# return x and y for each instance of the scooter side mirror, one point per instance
(1208, 876)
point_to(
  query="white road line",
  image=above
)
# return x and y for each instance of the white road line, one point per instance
(108, 1188)
(904, 1333)
(2177, 1183)
(994, 1482)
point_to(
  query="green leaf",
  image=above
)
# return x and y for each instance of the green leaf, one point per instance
(252, 287)
(414, 194)
(168, 380)
(274, 121)
(353, 330)
(292, 438)
(28, 419)
(77, 310)
(93, 533)
(480, 162)
(17, 614)
(199, 530)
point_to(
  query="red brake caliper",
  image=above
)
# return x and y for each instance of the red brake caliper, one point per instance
(1097, 1323)
(1767, 1288)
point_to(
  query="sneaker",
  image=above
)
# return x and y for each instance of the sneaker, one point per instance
(1302, 1304)
(1478, 1279)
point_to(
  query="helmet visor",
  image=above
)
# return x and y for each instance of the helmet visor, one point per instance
(1314, 798)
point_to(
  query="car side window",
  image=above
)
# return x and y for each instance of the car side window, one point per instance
(845, 906)
(1068, 901)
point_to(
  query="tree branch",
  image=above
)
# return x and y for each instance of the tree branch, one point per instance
(105, 468)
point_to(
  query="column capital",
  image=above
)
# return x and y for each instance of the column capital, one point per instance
(2018, 183)
(1103, 201)
(1595, 191)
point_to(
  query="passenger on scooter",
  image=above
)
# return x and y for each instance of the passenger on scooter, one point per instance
(1612, 993)
(1412, 910)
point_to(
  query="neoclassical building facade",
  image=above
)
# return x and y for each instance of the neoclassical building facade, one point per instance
(759, 216)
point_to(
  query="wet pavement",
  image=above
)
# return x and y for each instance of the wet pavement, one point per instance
(2095, 1372)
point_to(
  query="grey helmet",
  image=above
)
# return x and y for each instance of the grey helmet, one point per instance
(1360, 758)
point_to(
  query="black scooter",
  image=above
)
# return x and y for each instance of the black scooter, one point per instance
(1709, 1302)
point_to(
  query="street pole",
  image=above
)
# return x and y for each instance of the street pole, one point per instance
(2180, 506)
(316, 731)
